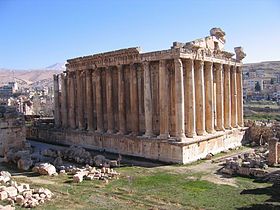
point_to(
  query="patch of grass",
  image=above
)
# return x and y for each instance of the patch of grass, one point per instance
(146, 188)
(263, 116)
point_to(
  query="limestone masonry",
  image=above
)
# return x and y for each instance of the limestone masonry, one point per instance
(174, 105)
(12, 129)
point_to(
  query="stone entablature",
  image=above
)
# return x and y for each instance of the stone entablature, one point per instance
(133, 55)
(192, 89)
(209, 49)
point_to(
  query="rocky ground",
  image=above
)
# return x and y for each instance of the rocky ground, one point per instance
(139, 184)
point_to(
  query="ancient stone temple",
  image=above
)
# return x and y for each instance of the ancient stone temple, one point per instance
(174, 105)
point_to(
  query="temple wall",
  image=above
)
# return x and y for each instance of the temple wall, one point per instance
(155, 149)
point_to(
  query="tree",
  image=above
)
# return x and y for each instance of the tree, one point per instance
(257, 87)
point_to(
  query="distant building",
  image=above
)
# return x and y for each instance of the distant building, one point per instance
(9, 89)
(250, 84)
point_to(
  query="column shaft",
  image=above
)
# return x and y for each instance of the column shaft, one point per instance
(199, 98)
(209, 103)
(233, 97)
(239, 96)
(72, 115)
(80, 99)
(148, 100)
(109, 96)
(121, 94)
(57, 118)
(64, 104)
(89, 100)
(163, 100)
(134, 99)
(219, 97)
(99, 105)
(227, 97)
(179, 100)
(190, 99)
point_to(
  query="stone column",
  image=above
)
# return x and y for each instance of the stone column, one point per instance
(64, 109)
(109, 96)
(80, 100)
(57, 119)
(219, 97)
(148, 100)
(163, 100)
(233, 97)
(273, 156)
(121, 94)
(99, 105)
(89, 100)
(209, 103)
(227, 98)
(179, 100)
(134, 99)
(239, 96)
(199, 97)
(72, 114)
(190, 98)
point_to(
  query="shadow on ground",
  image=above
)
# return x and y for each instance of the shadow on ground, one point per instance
(272, 203)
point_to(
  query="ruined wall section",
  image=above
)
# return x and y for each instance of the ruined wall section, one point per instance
(12, 129)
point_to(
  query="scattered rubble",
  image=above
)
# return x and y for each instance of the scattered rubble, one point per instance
(91, 173)
(7, 207)
(22, 194)
(260, 132)
(248, 164)
(21, 157)
(78, 155)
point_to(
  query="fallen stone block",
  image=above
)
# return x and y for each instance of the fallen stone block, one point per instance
(227, 171)
(20, 200)
(3, 195)
(45, 169)
(27, 194)
(244, 171)
(78, 178)
(7, 207)
(24, 164)
(12, 191)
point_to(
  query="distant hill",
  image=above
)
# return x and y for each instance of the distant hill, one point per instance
(266, 65)
(36, 77)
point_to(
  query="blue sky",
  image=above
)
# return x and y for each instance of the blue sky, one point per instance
(38, 33)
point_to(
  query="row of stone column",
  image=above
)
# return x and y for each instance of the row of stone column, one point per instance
(72, 105)
(200, 101)
(194, 99)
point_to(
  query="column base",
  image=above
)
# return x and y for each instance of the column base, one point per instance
(148, 135)
(220, 129)
(190, 135)
(163, 136)
(110, 131)
(90, 129)
(121, 133)
(201, 133)
(180, 137)
(99, 131)
(228, 128)
(234, 126)
(134, 133)
(211, 131)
